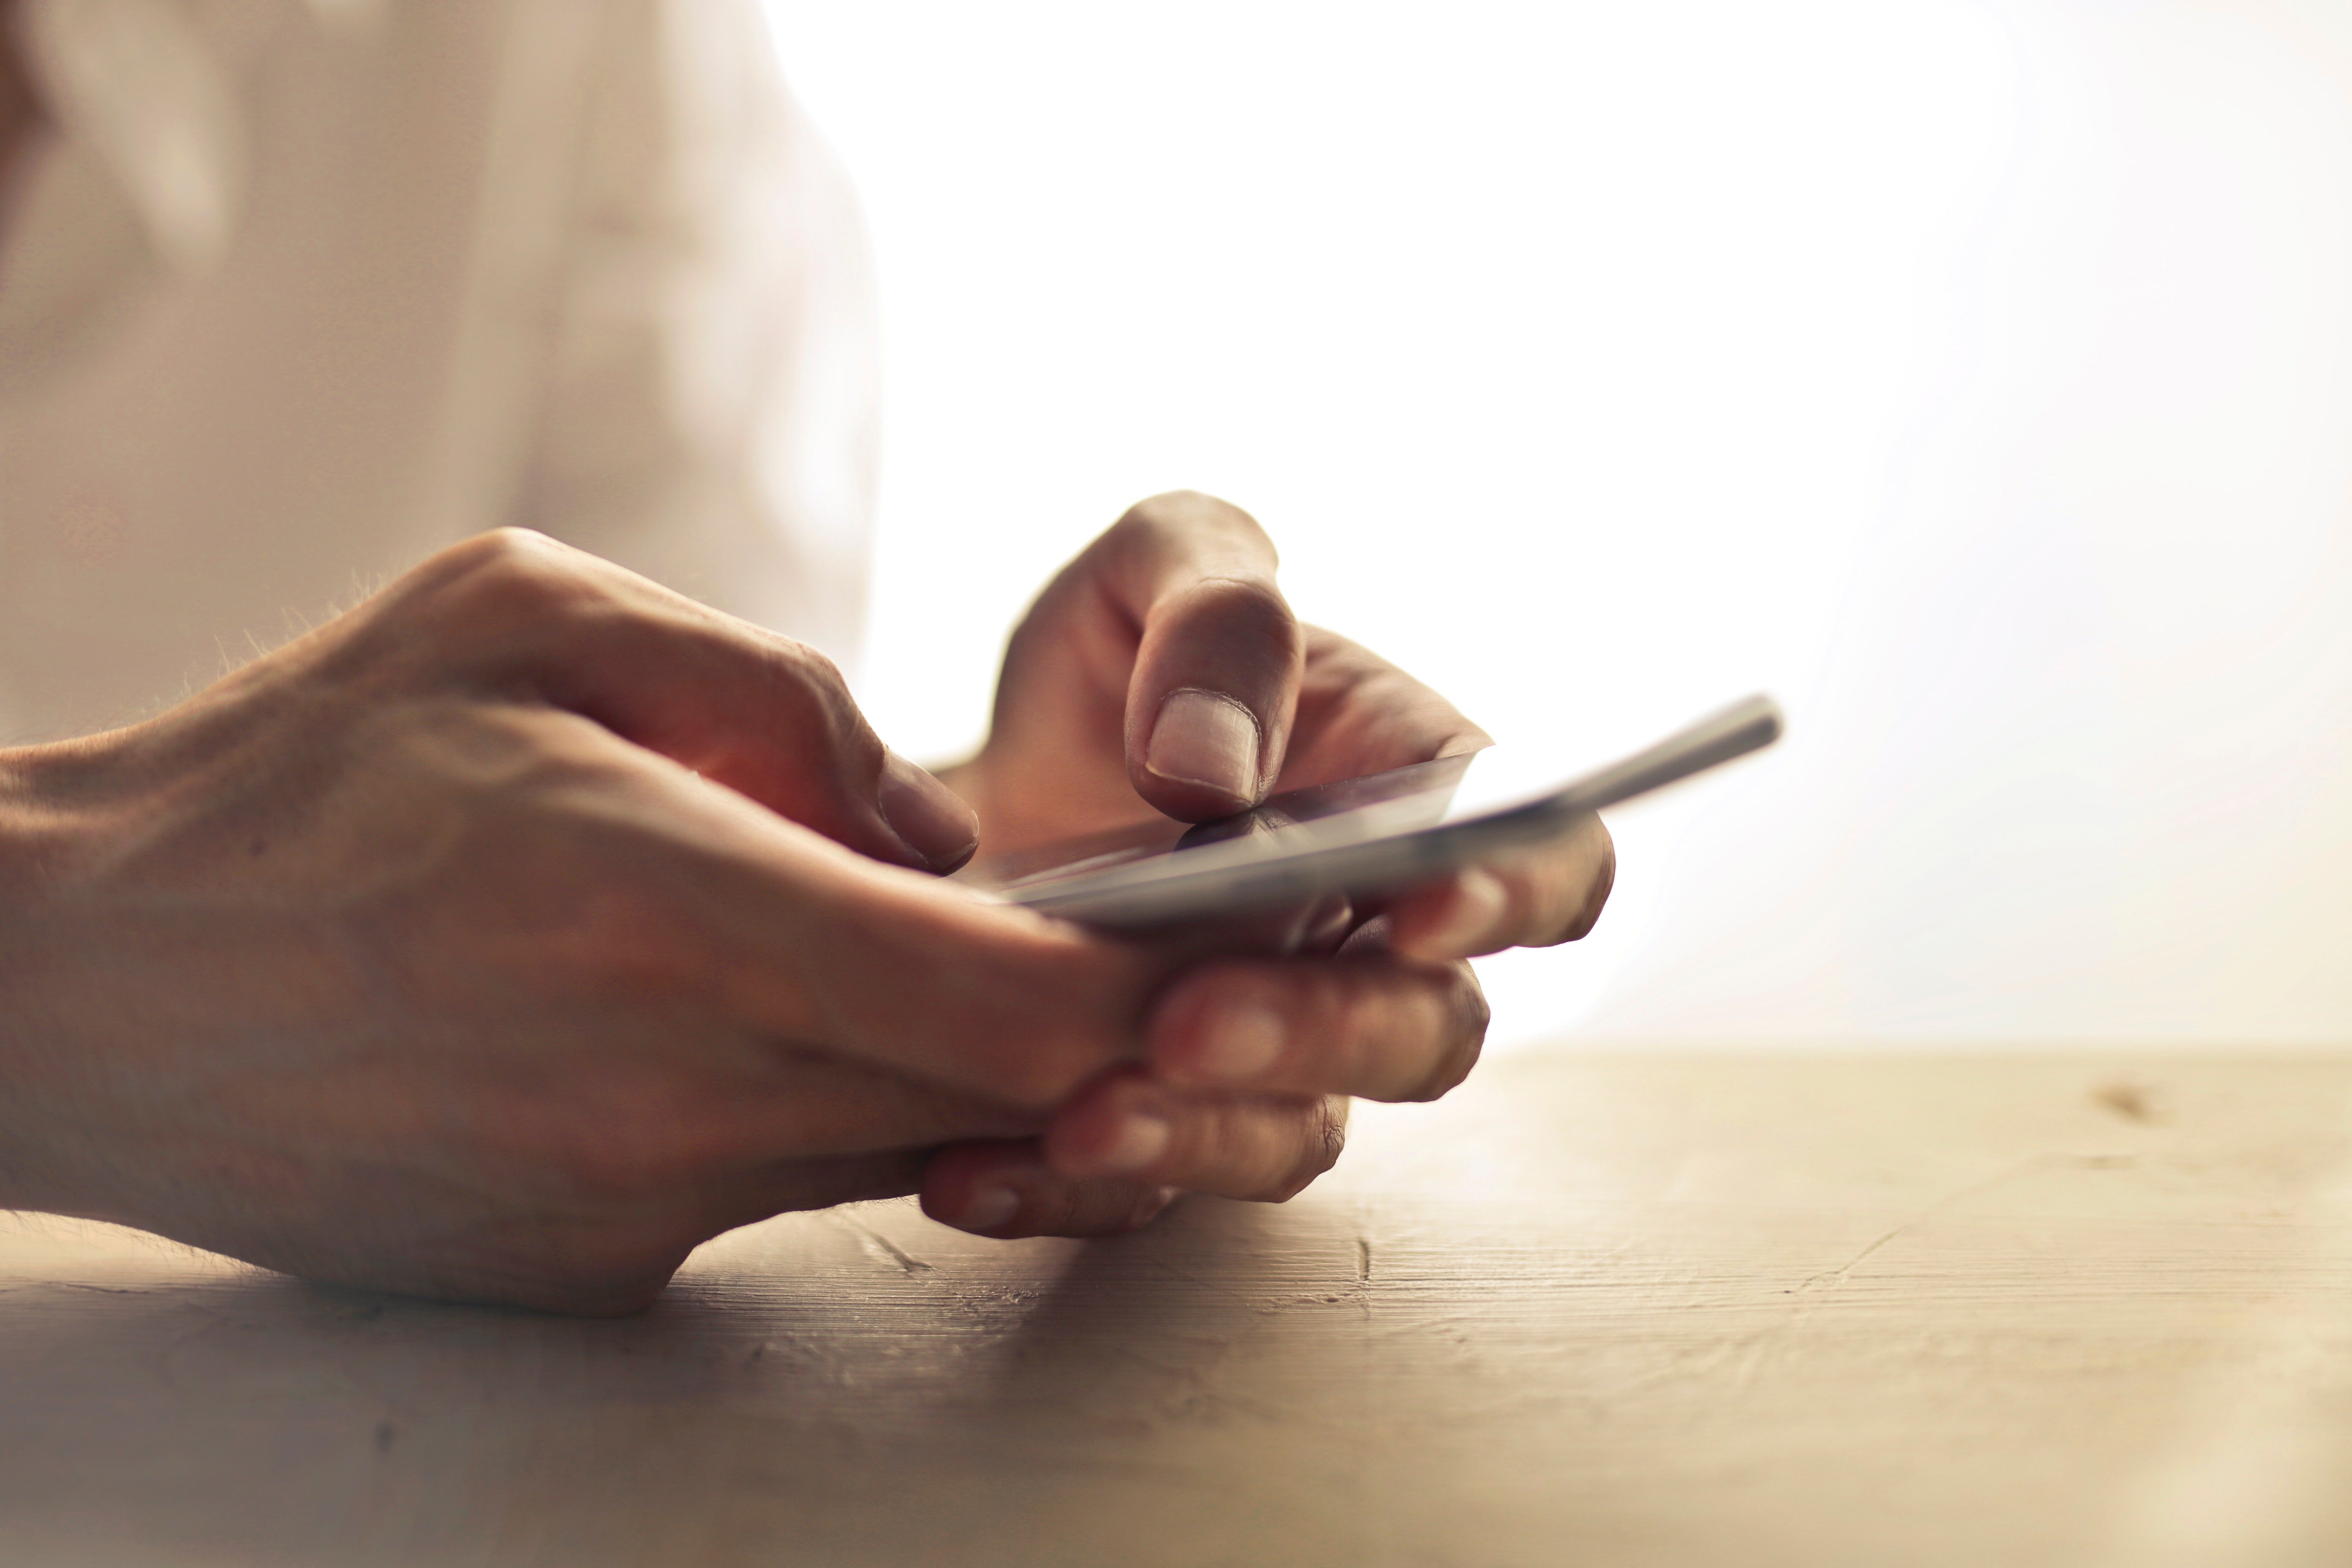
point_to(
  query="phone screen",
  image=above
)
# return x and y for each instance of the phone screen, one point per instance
(1360, 835)
(1351, 810)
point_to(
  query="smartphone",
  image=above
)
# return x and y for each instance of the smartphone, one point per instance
(1361, 836)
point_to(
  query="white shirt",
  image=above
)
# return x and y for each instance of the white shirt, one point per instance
(298, 292)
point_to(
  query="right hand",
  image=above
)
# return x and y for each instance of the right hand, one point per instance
(1175, 612)
(505, 939)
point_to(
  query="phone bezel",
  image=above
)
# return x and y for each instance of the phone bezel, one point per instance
(1349, 852)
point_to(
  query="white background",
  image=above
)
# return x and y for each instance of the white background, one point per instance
(1975, 376)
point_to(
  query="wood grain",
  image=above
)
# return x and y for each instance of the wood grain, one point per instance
(1754, 1310)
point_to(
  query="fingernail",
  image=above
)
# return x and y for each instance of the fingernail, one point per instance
(929, 818)
(1479, 902)
(1200, 738)
(1241, 1041)
(989, 1208)
(1142, 1138)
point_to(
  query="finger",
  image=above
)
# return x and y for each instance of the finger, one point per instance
(803, 941)
(1128, 1127)
(1006, 1190)
(1539, 898)
(1218, 655)
(788, 1186)
(1365, 1023)
(1309, 927)
(1359, 714)
(769, 717)
(706, 901)
(821, 1104)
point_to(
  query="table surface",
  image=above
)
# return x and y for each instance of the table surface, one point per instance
(1758, 1310)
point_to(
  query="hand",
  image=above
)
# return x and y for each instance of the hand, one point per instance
(1163, 669)
(505, 939)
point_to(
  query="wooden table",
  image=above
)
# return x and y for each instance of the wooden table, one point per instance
(1756, 1310)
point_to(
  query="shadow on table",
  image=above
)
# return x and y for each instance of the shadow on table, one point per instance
(816, 1387)
(1146, 1330)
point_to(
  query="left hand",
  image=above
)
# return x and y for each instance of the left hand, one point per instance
(1163, 669)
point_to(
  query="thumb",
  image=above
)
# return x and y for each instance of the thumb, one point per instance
(1218, 656)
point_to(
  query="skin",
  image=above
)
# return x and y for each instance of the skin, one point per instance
(512, 934)
(20, 113)
(1181, 596)
(509, 936)
(503, 940)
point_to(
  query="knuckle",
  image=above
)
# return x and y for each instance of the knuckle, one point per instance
(1473, 1011)
(812, 698)
(1085, 1208)
(1251, 603)
(1142, 531)
(519, 550)
(1338, 1021)
(469, 556)
(1465, 1015)
(1147, 1205)
(501, 597)
(1166, 512)
(512, 544)
(1240, 615)
(1122, 1206)
(1359, 1037)
(793, 665)
(510, 576)
(1603, 881)
(1175, 513)
(1597, 884)
(1324, 1139)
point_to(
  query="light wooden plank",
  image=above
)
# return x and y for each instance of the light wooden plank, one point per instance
(1754, 1310)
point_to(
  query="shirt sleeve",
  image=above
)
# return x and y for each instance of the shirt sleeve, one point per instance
(707, 409)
